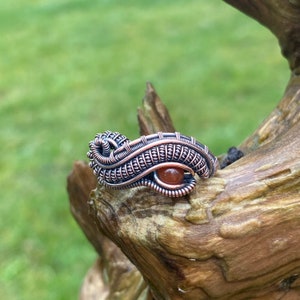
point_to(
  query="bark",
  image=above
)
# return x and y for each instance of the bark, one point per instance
(112, 276)
(153, 116)
(282, 18)
(236, 236)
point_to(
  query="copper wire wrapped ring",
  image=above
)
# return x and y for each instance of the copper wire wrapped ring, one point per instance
(165, 162)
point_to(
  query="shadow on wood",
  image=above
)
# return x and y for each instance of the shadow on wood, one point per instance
(236, 236)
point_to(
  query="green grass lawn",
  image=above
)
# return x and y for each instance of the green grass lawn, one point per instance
(69, 69)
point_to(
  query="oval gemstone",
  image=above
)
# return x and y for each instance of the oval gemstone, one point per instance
(170, 175)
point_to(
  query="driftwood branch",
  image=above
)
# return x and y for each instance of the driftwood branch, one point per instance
(112, 276)
(153, 116)
(236, 236)
(282, 18)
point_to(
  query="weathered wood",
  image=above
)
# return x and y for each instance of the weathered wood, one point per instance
(121, 274)
(237, 236)
(153, 115)
(253, 203)
(283, 117)
(283, 19)
(112, 276)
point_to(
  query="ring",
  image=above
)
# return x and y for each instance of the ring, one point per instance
(165, 162)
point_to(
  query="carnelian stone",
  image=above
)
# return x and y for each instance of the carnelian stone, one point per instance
(170, 175)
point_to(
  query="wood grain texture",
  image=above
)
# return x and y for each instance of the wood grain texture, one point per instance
(283, 19)
(236, 236)
(153, 116)
(112, 276)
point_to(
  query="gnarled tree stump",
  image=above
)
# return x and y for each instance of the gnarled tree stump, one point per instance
(236, 236)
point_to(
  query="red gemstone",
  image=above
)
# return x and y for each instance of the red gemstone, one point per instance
(170, 175)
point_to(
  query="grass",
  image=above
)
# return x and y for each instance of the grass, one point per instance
(69, 69)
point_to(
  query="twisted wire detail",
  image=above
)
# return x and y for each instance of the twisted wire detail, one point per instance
(165, 162)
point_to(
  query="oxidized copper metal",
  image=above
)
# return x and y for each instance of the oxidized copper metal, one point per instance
(120, 163)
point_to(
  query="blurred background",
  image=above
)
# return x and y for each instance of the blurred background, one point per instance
(72, 68)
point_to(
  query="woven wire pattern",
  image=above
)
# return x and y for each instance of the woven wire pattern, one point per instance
(120, 163)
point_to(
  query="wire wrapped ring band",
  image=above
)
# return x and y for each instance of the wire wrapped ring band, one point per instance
(165, 162)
